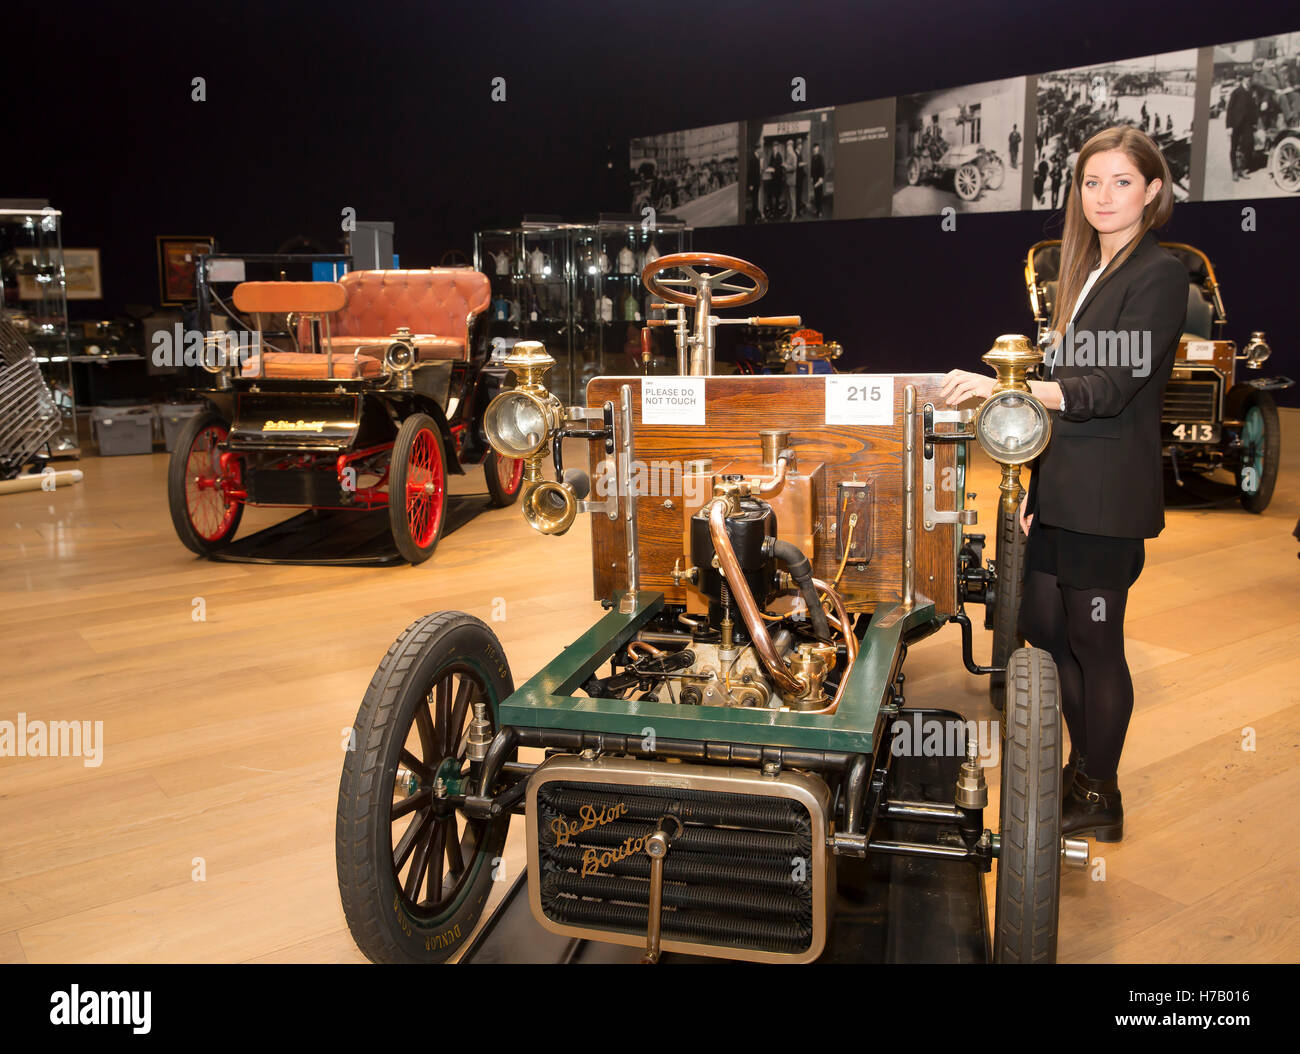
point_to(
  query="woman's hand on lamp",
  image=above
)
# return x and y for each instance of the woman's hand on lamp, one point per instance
(960, 385)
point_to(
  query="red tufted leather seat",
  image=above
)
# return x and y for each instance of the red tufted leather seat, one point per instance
(434, 304)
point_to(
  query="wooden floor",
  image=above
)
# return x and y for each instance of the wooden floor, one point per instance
(224, 737)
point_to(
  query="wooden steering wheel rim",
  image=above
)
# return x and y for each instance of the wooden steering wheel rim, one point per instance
(650, 276)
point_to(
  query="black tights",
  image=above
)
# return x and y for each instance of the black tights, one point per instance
(1083, 629)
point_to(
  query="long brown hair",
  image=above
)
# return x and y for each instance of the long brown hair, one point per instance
(1080, 246)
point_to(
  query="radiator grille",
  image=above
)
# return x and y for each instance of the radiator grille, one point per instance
(1191, 401)
(740, 875)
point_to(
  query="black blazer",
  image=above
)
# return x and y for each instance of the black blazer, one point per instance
(1102, 470)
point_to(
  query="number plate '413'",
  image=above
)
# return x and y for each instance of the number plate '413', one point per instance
(1189, 432)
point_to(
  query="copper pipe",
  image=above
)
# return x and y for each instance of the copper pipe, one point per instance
(778, 478)
(850, 644)
(639, 645)
(758, 635)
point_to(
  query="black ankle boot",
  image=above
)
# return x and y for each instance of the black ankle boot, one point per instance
(1093, 806)
(1074, 765)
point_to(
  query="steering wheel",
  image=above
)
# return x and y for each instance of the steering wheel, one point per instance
(734, 294)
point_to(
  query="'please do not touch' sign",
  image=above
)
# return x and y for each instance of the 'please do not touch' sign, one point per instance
(672, 400)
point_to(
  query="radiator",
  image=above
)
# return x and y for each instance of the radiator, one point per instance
(748, 876)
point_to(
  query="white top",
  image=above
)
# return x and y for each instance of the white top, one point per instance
(1083, 293)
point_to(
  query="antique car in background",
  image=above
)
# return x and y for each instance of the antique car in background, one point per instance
(971, 167)
(1074, 127)
(788, 350)
(719, 739)
(1210, 419)
(379, 401)
(1274, 141)
(654, 187)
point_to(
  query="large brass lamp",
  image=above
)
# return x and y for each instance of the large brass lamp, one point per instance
(519, 423)
(1012, 425)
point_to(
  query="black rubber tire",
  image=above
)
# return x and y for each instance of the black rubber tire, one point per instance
(382, 921)
(1027, 903)
(176, 498)
(1010, 562)
(399, 466)
(1241, 399)
(498, 490)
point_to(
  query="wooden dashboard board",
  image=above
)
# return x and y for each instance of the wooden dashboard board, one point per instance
(1196, 351)
(736, 409)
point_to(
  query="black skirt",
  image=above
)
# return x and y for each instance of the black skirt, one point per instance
(1084, 561)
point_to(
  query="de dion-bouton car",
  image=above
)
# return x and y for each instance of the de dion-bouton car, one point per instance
(767, 549)
(378, 402)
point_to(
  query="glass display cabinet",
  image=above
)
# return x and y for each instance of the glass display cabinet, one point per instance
(613, 296)
(36, 299)
(576, 288)
(530, 269)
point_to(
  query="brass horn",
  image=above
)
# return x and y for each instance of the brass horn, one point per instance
(550, 507)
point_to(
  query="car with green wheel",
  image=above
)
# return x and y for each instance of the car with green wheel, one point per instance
(722, 752)
(1216, 421)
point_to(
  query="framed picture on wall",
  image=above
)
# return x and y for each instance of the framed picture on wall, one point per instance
(81, 272)
(31, 262)
(177, 257)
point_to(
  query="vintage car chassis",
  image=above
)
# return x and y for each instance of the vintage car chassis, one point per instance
(707, 818)
(338, 443)
(1210, 418)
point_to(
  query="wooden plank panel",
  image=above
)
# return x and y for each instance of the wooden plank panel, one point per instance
(738, 409)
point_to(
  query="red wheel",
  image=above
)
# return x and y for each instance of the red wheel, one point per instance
(417, 488)
(505, 477)
(204, 518)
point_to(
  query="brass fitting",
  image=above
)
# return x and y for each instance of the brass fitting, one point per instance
(691, 574)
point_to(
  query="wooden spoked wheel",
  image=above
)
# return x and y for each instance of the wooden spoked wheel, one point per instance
(687, 290)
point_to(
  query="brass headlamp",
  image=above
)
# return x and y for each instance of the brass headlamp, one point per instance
(519, 423)
(216, 358)
(400, 357)
(1256, 351)
(1012, 425)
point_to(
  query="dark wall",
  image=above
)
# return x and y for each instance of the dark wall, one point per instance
(386, 108)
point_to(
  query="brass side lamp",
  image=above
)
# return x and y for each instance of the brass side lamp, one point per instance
(519, 423)
(1012, 424)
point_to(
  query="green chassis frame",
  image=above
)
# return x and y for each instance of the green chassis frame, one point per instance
(546, 702)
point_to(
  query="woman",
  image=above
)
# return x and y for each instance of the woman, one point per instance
(1097, 489)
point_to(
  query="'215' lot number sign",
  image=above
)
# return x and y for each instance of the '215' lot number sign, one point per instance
(859, 399)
